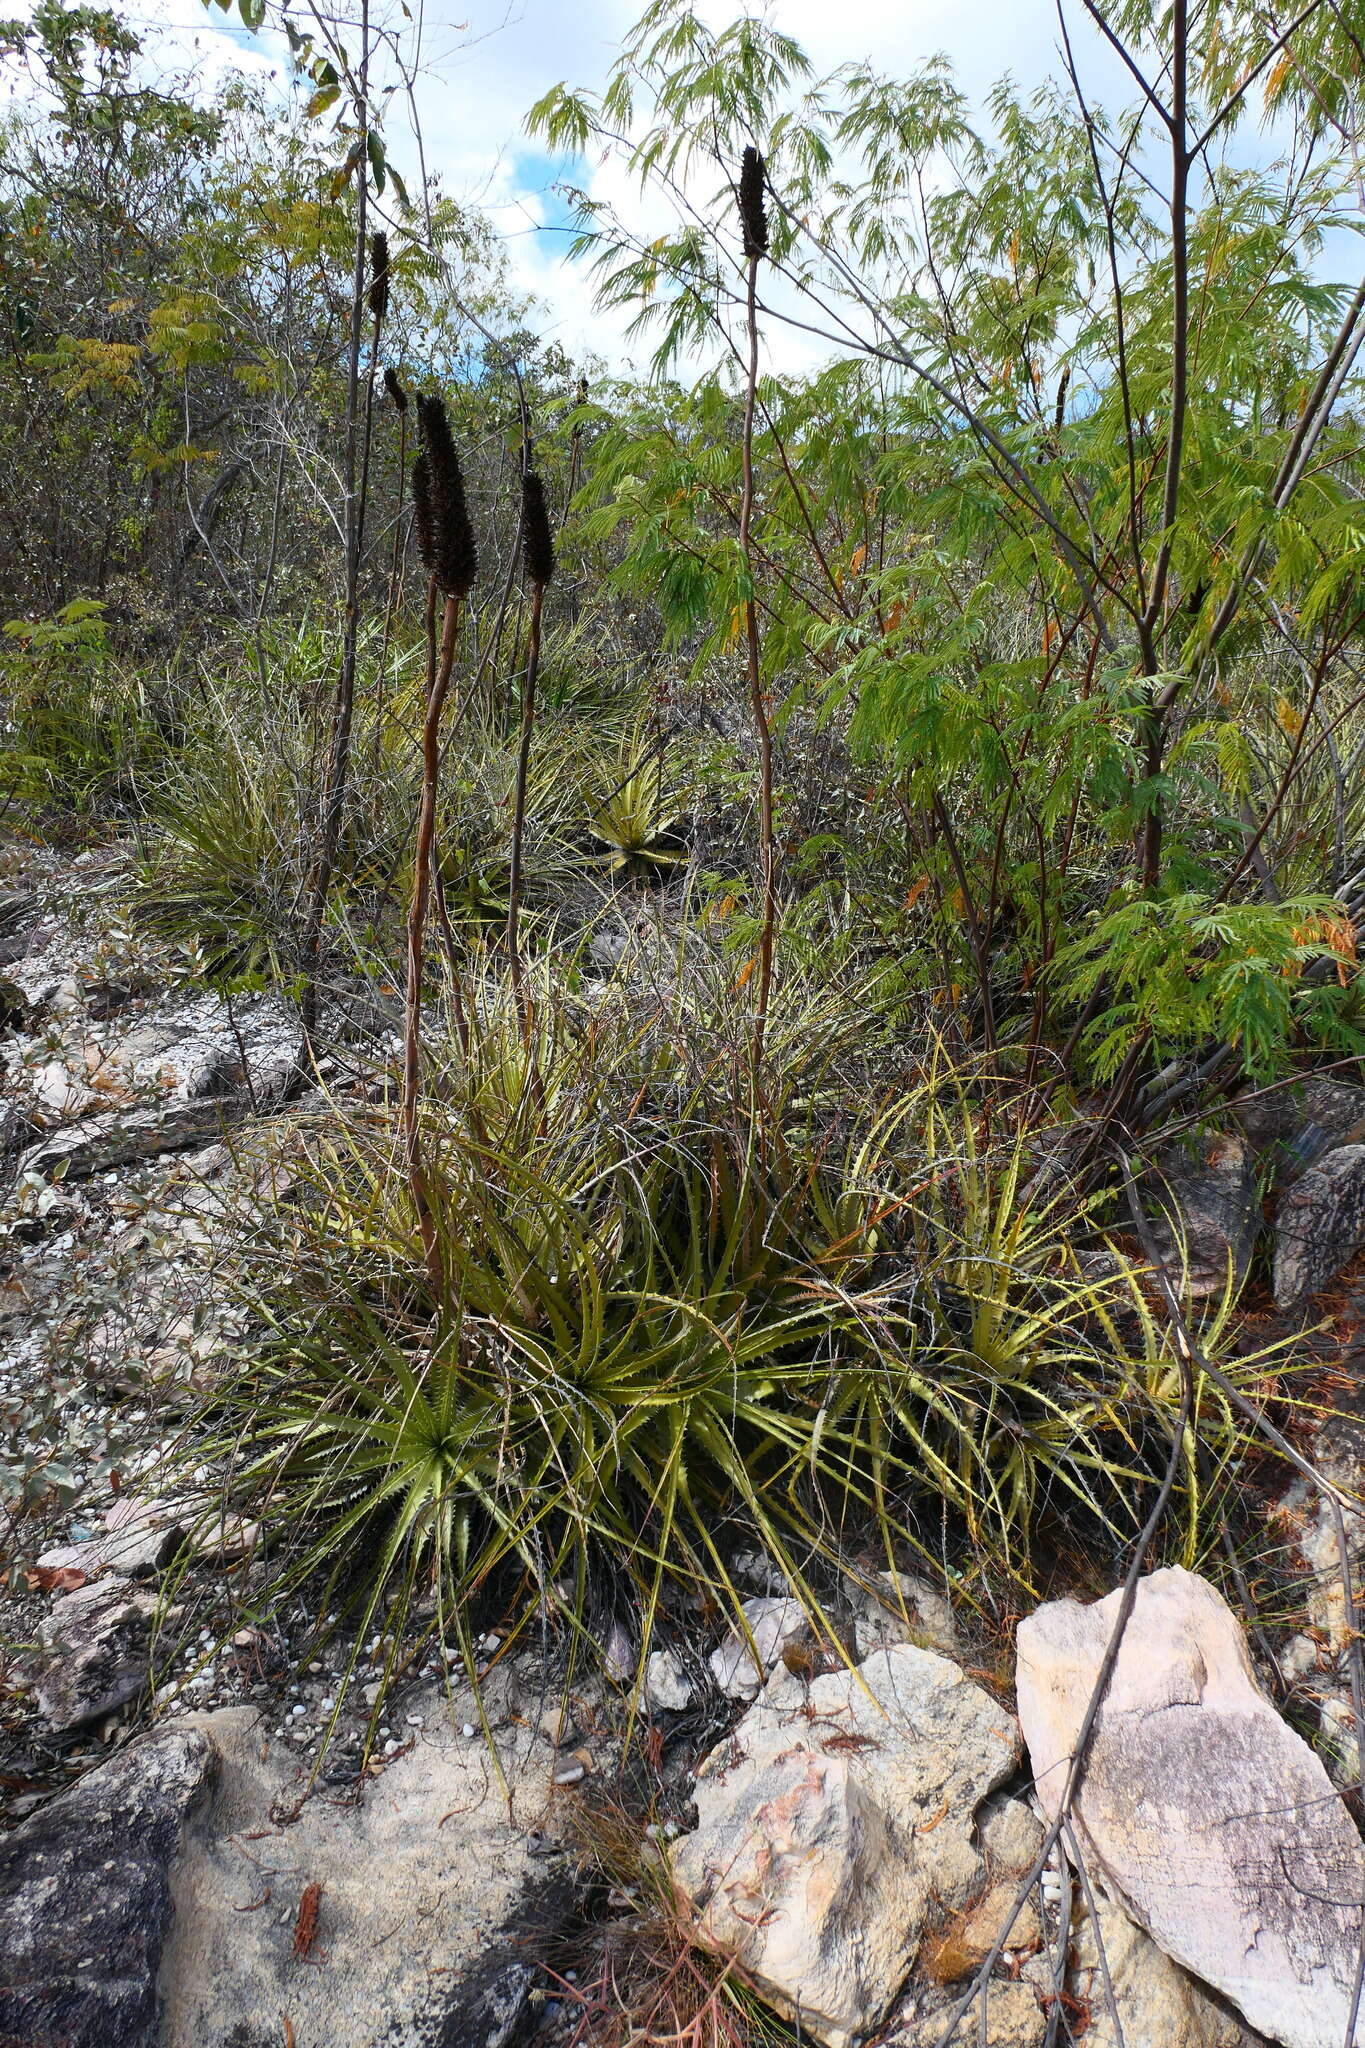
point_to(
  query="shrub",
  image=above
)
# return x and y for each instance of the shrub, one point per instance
(80, 734)
(226, 866)
(669, 1321)
(640, 1334)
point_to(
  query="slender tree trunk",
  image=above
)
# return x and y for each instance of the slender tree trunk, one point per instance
(355, 471)
(1150, 633)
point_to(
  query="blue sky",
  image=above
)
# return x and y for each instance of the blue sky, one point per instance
(484, 76)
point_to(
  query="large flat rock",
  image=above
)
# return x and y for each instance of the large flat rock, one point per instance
(121, 1136)
(193, 1893)
(1210, 1819)
(1319, 1225)
(94, 1658)
(435, 1897)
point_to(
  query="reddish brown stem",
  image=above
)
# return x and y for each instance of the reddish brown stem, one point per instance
(395, 588)
(528, 717)
(438, 684)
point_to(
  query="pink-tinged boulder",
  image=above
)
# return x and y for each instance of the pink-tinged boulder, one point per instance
(837, 1821)
(1206, 1815)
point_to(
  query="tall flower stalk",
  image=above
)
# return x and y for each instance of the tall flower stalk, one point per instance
(753, 217)
(538, 564)
(445, 539)
(399, 398)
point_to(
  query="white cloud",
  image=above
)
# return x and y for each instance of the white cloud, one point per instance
(482, 65)
(475, 96)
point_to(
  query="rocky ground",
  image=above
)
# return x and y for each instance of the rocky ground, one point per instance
(213, 1841)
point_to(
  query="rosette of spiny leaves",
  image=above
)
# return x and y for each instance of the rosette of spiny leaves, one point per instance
(637, 816)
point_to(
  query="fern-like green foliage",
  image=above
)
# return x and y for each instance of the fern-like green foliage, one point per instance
(1189, 970)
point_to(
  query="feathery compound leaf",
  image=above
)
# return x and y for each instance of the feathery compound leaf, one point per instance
(379, 275)
(454, 558)
(395, 389)
(421, 514)
(753, 213)
(537, 541)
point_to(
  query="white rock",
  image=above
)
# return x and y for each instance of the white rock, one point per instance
(557, 1726)
(196, 1049)
(431, 1912)
(1335, 1448)
(223, 1537)
(142, 1535)
(1158, 2005)
(1338, 1739)
(772, 1624)
(58, 1090)
(1212, 1822)
(85, 1558)
(668, 1689)
(1297, 1659)
(834, 1820)
(902, 1607)
(1011, 1835)
(1014, 2018)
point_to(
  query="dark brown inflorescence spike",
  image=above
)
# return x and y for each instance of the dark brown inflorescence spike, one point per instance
(537, 541)
(753, 213)
(454, 557)
(379, 275)
(421, 513)
(395, 389)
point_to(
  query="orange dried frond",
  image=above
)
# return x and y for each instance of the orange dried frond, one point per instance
(1278, 73)
(1337, 934)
